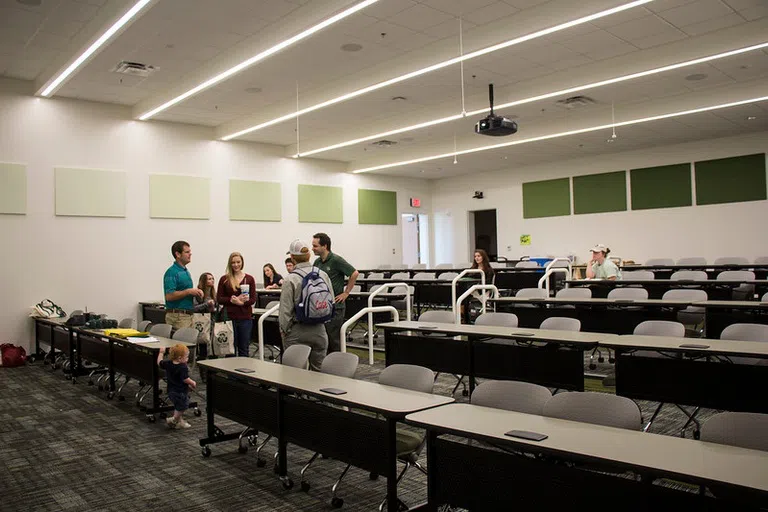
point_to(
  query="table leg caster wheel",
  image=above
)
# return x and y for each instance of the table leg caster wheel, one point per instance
(611, 360)
(110, 395)
(287, 483)
(206, 451)
(601, 359)
(151, 418)
(592, 366)
(260, 463)
(242, 449)
(337, 502)
(198, 412)
(373, 476)
(74, 380)
(252, 440)
(464, 392)
(305, 486)
(697, 434)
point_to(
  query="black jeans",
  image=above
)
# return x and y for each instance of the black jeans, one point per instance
(333, 329)
(243, 330)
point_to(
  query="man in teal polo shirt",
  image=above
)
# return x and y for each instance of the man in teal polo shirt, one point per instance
(338, 270)
(179, 289)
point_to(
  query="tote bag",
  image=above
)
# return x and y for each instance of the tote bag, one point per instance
(202, 322)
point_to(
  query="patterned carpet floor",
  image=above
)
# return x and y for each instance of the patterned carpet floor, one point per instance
(65, 447)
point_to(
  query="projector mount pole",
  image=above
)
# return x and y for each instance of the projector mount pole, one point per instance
(490, 96)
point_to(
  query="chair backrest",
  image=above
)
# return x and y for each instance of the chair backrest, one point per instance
(419, 266)
(384, 266)
(761, 260)
(443, 265)
(744, 429)
(660, 328)
(408, 376)
(685, 295)
(77, 312)
(442, 317)
(342, 364)
(375, 275)
(447, 276)
(296, 356)
(356, 288)
(188, 334)
(574, 293)
(532, 293)
(400, 275)
(462, 266)
(125, 323)
(692, 260)
(512, 395)
(144, 325)
(272, 304)
(526, 264)
(765, 298)
(497, 319)
(638, 275)
(496, 264)
(596, 408)
(689, 275)
(660, 261)
(745, 332)
(424, 276)
(736, 275)
(731, 260)
(628, 293)
(163, 330)
(561, 323)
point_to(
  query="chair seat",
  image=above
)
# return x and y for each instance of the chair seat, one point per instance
(407, 442)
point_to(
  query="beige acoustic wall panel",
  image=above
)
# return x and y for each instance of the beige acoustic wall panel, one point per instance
(13, 189)
(255, 200)
(179, 197)
(89, 192)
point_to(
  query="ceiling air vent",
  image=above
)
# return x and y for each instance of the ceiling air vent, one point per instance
(575, 102)
(383, 143)
(134, 68)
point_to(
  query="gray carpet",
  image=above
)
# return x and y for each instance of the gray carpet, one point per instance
(65, 447)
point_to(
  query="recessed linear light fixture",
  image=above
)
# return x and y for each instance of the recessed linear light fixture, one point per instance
(111, 31)
(554, 94)
(439, 65)
(560, 134)
(256, 58)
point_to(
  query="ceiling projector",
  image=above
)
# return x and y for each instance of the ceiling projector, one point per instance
(493, 125)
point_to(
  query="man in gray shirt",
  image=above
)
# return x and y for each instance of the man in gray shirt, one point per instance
(293, 332)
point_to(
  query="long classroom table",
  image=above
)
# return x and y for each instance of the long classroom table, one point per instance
(270, 400)
(720, 314)
(546, 357)
(518, 474)
(716, 289)
(666, 271)
(596, 315)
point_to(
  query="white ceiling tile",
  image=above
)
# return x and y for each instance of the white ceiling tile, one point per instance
(592, 42)
(456, 7)
(386, 8)
(573, 62)
(613, 50)
(664, 5)
(93, 2)
(75, 11)
(721, 22)
(659, 39)
(696, 12)
(741, 5)
(66, 29)
(640, 28)
(52, 41)
(490, 13)
(420, 17)
(448, 28)
(755, 13)
(20, 19)
(525, 4)
(621, 17)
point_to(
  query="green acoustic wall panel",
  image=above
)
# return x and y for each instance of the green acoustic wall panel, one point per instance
(320, 204)
(89, 192)
(255, 200)
(550, 198)
(179, 197)
(13, 192)
(730, 180)
(598, 193)
(376, 207)
(667, 186)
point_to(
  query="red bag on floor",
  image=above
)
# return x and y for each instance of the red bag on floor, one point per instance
(12, 355)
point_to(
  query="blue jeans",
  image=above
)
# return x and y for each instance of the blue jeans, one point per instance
(243, 330)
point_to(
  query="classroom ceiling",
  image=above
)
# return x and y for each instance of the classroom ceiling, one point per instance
(190, 41)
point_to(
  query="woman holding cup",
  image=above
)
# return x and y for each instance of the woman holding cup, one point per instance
(234, 293)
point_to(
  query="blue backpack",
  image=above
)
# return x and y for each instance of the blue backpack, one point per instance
(316, 302)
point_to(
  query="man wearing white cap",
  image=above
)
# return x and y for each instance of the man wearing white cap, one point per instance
(292, 331)
(600, 267)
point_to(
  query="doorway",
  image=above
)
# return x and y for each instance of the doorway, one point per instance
(415, 239)
(482, 232)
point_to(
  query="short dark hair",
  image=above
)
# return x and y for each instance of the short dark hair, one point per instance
(323, 239)
(288, 260)
(178, 247)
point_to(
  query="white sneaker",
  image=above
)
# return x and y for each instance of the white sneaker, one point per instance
(171, 422)
(183, 424)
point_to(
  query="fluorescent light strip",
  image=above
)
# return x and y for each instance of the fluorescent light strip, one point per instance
(537, 98)
(439, 65)
(561, 134)
(138, 6)
(256, 58)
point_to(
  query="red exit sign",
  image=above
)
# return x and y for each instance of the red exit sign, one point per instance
(415, 202)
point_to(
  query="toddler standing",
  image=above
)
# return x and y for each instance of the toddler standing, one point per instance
(177, 375)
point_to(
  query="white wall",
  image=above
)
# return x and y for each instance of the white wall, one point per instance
(709, 231)
(109, 265)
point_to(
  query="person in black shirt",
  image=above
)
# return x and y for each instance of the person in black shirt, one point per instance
(272, 279)
(177, 375)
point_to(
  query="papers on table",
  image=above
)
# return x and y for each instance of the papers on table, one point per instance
(148, 339)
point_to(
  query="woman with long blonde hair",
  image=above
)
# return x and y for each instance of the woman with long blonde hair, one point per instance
(236, 294)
